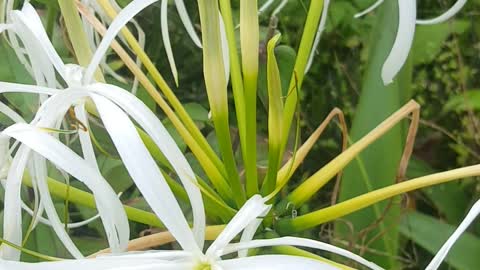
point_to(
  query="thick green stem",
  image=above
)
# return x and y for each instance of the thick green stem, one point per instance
(321, 216)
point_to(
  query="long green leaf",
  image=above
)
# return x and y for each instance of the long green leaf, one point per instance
(250, 39)
(216, 84)
(431, 234)
(379, 162)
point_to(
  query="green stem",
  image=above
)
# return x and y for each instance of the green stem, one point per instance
(304, 50)
(77, 35)
(321, 216)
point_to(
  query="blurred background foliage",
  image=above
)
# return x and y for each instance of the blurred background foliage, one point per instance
(445, 60)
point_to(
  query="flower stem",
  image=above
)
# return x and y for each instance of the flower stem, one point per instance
(344, 208)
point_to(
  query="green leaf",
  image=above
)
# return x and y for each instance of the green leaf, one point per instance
(377, 166)
(431, 234)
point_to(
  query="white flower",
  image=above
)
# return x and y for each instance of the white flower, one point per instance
(192, 257)
(115, 107)
(407, 14)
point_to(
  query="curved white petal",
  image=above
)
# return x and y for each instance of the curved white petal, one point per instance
(447, 15)
(301, 242)
(32, 21)
(145, 172)
(148, 121)
(369, 9)
(274, 262)
(14, 116)
(110, 209)
(403, 42)
(39, 175)
(120, 21)
(249, 232)
(321, 28)
(166, 39)
(442, 253)
(12, 211)
(250, 211)
(187, 23)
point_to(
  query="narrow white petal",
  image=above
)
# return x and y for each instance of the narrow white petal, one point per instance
(300, 242)
(30, 18)
(166, 39)
(369, 9)
(250, 230)
(85, 140)
(280, 7)
(321, 28)
(6, 87)
(39, 175)
(187, 23)
(403, 42)
(14, 116)
(111, 210)
(12, 211)
(442, 253)
(275, 262)
(250, 211)
(265, 6)
(120, 21)
(447, 15)
(145, 172)
(148, 121)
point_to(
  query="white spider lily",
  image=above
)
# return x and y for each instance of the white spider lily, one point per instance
(212, 259)
(113, 104)
(405, 34)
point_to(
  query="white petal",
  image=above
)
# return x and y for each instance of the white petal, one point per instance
(14, 116)
(26, 88)
(96, 264)
(403, 42)
(30, 18)
(447, 15)
(301, 242)
(148, 121)
(111, 210)
(249, 232)
(144, 172)
(187, 23)
(274, 262)
(279, 7)
(321, 28)
(120, 21)
(39, 175)
(166, 39)
(442, 253)
(12, 211)
(250, 211)
(265, 6)
(369, 9)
